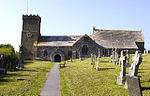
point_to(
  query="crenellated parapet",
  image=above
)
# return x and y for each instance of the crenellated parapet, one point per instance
(31, 17)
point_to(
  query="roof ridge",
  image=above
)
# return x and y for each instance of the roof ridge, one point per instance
(119, 30)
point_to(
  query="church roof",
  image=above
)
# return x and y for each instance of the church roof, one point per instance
(58, 40)
(117, 38)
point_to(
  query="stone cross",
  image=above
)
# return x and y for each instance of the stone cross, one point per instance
(137, 59)
(121, 78)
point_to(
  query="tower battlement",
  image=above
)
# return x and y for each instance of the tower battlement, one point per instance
(31, 17)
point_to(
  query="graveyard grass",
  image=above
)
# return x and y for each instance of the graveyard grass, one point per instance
(27, 82)
(79, 79)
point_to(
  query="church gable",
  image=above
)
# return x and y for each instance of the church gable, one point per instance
(85, 46)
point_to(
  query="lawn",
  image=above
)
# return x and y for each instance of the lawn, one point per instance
(79, 79)
(27, 82)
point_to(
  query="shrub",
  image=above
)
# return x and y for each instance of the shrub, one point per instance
(10, 57)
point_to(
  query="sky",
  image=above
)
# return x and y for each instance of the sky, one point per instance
(74, 17)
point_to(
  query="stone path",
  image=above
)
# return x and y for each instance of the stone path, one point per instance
(52, 84)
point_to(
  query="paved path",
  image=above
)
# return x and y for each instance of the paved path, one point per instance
(52, 84)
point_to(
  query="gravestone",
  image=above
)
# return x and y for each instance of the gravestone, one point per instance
(128, 58)
(94, 58)
(3, 70)
(91, 59)
(134, 85)
(121, 78)
(20, 58)
(133, 70)
(97, 66)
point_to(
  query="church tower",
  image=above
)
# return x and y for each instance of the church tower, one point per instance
(30, 34)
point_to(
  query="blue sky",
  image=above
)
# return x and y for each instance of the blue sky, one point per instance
(74, 17)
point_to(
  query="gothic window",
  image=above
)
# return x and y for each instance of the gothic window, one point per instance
(85, 39)
(45, 53)
(84, 50)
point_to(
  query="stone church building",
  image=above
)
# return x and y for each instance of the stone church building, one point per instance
(60, 48)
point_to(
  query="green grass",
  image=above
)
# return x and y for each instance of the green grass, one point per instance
(79, 79)
(27, 82)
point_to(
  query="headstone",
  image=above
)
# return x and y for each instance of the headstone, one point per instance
(121, 78)
(133, 70)
(20, 58)
(97, 66)
(134, 85)
(128, 58)
(94, 58)
(91, 58)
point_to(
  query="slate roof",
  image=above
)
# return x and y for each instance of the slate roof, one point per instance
(123, 39)
(58, 40)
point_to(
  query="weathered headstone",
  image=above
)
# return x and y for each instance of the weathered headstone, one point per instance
(97, 66)
(20, 58)
(121, 78)
(94, 58)
(133, 70)
(91, 59)
(134, 85)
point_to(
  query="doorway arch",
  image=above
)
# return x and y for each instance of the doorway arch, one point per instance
(57, 58)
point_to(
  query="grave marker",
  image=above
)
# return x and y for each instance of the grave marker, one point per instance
(121, 78)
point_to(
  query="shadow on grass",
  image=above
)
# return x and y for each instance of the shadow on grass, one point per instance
(27, 62)
(145, 88)
(103, 69)
(11, 75)
(6, 80)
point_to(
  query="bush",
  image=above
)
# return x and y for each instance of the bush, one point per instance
(10, 57)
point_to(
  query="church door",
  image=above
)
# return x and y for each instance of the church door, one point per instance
(57, 58)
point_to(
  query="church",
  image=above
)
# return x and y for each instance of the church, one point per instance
(61, 48)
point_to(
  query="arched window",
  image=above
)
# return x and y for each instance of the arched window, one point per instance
(84, 50)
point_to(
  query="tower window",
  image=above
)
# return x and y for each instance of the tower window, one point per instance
(84, 50)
